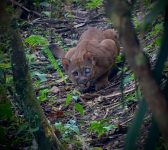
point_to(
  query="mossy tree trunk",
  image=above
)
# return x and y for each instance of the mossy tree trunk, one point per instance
(120, 13)
(33, 113)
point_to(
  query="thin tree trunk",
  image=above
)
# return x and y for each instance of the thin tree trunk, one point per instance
(120, 13)
(33, 113)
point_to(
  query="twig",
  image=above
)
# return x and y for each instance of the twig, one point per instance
(26, 9)
(50, 21)
(118, 93)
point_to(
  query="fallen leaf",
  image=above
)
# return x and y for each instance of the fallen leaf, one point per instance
(62, 79)
(55, 90)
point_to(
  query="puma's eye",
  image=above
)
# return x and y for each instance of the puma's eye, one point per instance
(87, 71)
(75, 73)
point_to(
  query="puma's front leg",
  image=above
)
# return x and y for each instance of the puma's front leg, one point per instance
(101, 82)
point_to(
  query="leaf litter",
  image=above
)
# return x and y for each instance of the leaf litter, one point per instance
(111, 109)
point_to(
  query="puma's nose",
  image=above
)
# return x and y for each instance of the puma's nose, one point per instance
(82, 81)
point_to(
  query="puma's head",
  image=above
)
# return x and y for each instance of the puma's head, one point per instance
(81, 71)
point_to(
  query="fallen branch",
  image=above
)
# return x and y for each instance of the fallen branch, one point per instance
(49, 21)
(26, 9)
(118, 93)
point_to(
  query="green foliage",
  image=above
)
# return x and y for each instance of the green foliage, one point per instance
(93, 4)
(43, 95)
(14, 133)
(67, 130)
(4, 60)
(36, 40)
(130, 97)
(137, 23)
(100, 127)
(129, 78)
(68, 99)
(70, 134)
(46, 13)
(74, 96)
(119, 59)
(30, 57)
(155, 34)
(5, 111)
(79, 108)
(5, 65)
(41, 76)
(54, 63)
(156, 10)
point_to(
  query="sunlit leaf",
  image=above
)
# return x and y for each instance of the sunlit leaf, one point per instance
(5, 65)
(36, 40)
(79, 108)
(68, 99)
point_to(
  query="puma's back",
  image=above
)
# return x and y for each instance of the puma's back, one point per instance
(91, 60)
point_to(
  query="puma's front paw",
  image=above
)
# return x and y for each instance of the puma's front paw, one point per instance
(99, 85)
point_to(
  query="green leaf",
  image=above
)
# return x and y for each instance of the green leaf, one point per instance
(54, 62)
(34, 129)
(5, 111)
(41, 76)
(158, 8)
(75, 97)
(58, 125)
(43, 95)
(93, 4)
(72, 128)
(79, 108)
(36, 40)
(111, 126)
(22, 128)
(129, 78)
(47, 13)
(94, 125)
(68, 99)
(5, 65)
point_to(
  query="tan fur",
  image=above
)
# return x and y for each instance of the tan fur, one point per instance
(95, 53)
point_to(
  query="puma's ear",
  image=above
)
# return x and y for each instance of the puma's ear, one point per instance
(87, 56)
(65, 63)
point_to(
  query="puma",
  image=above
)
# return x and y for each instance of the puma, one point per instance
(90, 62)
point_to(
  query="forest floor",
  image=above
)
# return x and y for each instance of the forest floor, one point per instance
(112, 109)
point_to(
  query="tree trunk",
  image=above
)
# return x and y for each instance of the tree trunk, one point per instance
(33, 113)
(119, 11)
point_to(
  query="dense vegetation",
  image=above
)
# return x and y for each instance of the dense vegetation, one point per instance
(41, 109)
